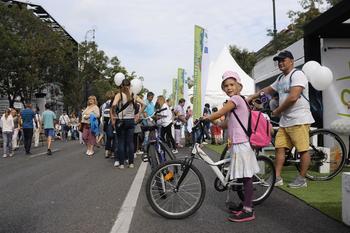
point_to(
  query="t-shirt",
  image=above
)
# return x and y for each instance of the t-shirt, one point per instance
(48, 118)
(149, 108)
(27, 118)
(166, 116)
(235, 132)
(299, 113)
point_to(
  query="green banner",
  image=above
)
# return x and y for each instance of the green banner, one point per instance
(180, 83)
(174, 92)
(197, 74)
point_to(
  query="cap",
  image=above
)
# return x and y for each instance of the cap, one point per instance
(230, 74)
(282, 55)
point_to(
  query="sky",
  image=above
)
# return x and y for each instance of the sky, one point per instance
(156, 37)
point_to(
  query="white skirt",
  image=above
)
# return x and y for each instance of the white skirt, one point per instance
(243, 161)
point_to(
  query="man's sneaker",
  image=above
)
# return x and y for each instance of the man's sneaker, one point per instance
(121, 166)
(49, 152)
(11, 154)
(4, 156)
(279, 181)
(175, 151)
(116, 164)
(131, 165)
(139, 152)
(107, 154)
(299, 182)
(242, 216)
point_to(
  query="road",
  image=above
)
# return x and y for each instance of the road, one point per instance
(70, 192)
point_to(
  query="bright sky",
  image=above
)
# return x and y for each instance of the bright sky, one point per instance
(155, 37)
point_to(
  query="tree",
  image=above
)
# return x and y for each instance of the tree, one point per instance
(32, 54)
(245, 59)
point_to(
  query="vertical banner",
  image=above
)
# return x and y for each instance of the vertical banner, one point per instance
(180, 83)
(200, 69)
(186, 94)
(174, 92)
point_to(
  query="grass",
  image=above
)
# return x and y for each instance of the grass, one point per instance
(325, 196)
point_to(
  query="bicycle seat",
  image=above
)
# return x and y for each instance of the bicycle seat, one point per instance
(148, 128)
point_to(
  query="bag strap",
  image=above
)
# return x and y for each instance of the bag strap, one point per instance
(248, 131)
(290, 83)
(124, 106)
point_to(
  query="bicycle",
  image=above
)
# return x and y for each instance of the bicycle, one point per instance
(327, 152)
(176, 189)
(157, 151)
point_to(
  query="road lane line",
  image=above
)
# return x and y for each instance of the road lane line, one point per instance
(123, 221)
(43, 153)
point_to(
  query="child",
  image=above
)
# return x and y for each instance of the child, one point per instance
(243, 164)
(216, 131)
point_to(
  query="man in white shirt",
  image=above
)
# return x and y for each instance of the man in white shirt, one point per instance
(180, 119)
(296, 118)
(37, 127)
(64, 123)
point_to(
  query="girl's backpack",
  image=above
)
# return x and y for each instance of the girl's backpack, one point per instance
(259, 128)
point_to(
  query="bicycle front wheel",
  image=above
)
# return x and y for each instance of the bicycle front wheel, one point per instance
(171, 201)
(327, 152)
(263, 181)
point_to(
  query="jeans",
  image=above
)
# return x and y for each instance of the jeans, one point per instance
(7, 140)
(109, 137)
(125, 137)
(64, 132)
(27, 136)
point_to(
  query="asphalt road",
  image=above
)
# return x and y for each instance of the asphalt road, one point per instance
(70, 192)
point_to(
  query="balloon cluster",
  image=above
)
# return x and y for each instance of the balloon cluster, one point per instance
(136, 84)
(341, 126)
(319, 76)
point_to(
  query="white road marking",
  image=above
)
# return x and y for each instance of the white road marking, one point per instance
(43, 153)
(123, 221)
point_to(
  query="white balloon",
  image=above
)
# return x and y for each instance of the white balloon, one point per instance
(136, 86)
(323, 79)
(310, 69)
(118, 78)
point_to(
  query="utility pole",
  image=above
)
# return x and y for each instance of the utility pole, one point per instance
(274, 19)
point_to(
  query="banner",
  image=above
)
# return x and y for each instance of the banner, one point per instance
(174, 92)
(180, 83)
(200, 69)
(186, 94)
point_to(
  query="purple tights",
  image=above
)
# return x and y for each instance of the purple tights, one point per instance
(248, 192)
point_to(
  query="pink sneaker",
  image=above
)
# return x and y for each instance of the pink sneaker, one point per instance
(242, 216)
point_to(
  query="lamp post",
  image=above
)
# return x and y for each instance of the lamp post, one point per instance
(92, 31)
(274, 19)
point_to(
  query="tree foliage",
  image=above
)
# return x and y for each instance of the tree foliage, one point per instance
(245, 59)
(32, 54)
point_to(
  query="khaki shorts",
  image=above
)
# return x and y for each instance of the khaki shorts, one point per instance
(297, 136)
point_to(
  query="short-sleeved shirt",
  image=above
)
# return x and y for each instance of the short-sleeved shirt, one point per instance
(27, 117)
(179, 111)
(149, 107)
(166, 115)
(299, 113)
(48, 119)
(235, 132)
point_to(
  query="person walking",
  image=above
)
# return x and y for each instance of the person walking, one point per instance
(125, 123)
(49, 118)
(180, 119)
(16, 130)
(7, 126)
(64, 123)
(28, 117)
(92, 111)
(149, 111)
(37, 127)
(296, 118)
(107, 124)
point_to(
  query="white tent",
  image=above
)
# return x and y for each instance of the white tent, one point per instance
(214, 95)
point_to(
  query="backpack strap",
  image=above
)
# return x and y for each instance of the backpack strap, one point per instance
(290, 82)
(248, 131)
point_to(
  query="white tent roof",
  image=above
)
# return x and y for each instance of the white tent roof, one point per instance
(214, 95)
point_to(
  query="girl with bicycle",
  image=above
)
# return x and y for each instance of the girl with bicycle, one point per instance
(244, 163)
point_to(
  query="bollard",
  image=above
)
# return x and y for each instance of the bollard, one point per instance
(346, 197)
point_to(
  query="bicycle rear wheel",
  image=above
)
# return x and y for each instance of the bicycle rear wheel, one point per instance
(263, 181)
(327, 152)
(166, 199)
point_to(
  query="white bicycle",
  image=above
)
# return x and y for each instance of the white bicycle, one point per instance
(176, 189)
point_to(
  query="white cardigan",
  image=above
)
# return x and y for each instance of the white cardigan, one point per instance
(7, 125)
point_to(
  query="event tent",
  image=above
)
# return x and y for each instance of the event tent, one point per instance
(214, 95)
